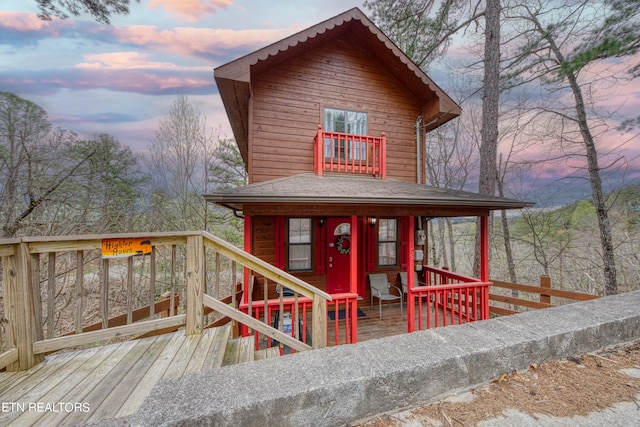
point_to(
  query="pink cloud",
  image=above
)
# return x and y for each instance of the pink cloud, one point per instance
(200, 42)
(197, 41)
(19, 21)
(190, 10)
(130, 61)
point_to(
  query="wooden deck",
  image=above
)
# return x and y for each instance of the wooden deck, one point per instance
(113, 380)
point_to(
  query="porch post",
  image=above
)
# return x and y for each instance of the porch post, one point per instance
(484, 248)
(353, 280)
(247, 288)
(247, 248)
(410, 275)
(484, 265)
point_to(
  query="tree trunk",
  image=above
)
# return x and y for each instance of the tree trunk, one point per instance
(606, 241)
(490, 100)
(599, 203)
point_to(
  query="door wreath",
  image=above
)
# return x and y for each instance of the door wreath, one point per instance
(343, 244)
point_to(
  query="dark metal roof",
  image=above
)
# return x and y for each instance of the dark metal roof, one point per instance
(334, 189)
(233, 79)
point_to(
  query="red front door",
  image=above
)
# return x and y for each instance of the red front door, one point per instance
(338, 260)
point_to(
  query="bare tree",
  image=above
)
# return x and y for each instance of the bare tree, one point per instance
(559, 42)
(405, 20)
(180, 160)
(449, 161)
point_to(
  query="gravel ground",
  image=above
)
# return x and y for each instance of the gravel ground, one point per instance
(597, 389)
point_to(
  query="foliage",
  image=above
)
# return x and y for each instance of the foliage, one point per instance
(51, 182)
(100, 10)
(422, 28)
(227, 168)
(107, 196)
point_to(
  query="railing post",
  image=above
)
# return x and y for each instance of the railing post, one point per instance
(195, 284)
(545, 282)
(383, 156)
(23, 307)
(319, 328)
(318, 150)
(10, 290)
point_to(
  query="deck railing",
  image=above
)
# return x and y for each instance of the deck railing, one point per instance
(54, 289)
(342, 152)
(448, 298)
(513, 298)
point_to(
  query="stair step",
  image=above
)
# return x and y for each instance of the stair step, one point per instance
(239, 350)
(267, 353)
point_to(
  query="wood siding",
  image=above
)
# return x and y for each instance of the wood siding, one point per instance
(288, 102)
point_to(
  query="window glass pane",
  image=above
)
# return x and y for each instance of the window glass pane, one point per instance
(342, 229)
(300, 257)
(387, 241)
(299, 244)
(387, 230)
(345, 121)
(300, 230)
(387, 254)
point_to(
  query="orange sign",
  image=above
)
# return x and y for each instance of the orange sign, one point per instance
(125, 247)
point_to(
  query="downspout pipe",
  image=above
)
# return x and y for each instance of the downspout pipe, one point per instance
(418, 157)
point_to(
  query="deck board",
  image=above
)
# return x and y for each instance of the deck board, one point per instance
(123, 389)
(100, 391)
(200, 354)
(181, 361)
(150, 378)
(62, 391)
(216, 353)
(15, 380)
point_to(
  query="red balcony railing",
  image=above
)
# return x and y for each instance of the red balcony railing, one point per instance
(342, 152)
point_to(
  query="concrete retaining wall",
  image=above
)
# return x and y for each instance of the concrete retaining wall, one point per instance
(339, 385)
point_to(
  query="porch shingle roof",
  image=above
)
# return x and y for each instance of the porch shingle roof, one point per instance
(336, 189)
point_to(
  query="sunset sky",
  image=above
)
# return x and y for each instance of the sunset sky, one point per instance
(122, 78)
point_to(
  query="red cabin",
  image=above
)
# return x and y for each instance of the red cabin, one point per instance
(328, 122)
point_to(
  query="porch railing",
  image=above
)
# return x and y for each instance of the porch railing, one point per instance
(342, 152)
(448, 298)
(291, 314)
(55, 289)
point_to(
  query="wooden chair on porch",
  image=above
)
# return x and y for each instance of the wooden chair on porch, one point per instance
(380, 288)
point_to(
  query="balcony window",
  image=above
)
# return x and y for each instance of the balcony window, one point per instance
(347, 122)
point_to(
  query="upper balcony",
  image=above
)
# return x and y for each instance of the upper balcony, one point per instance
(342, 152)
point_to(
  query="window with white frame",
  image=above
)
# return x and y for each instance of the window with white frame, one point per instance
(349, 122)
(387, 241)
(299, 244)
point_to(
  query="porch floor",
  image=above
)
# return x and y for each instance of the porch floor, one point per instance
(392, 323)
